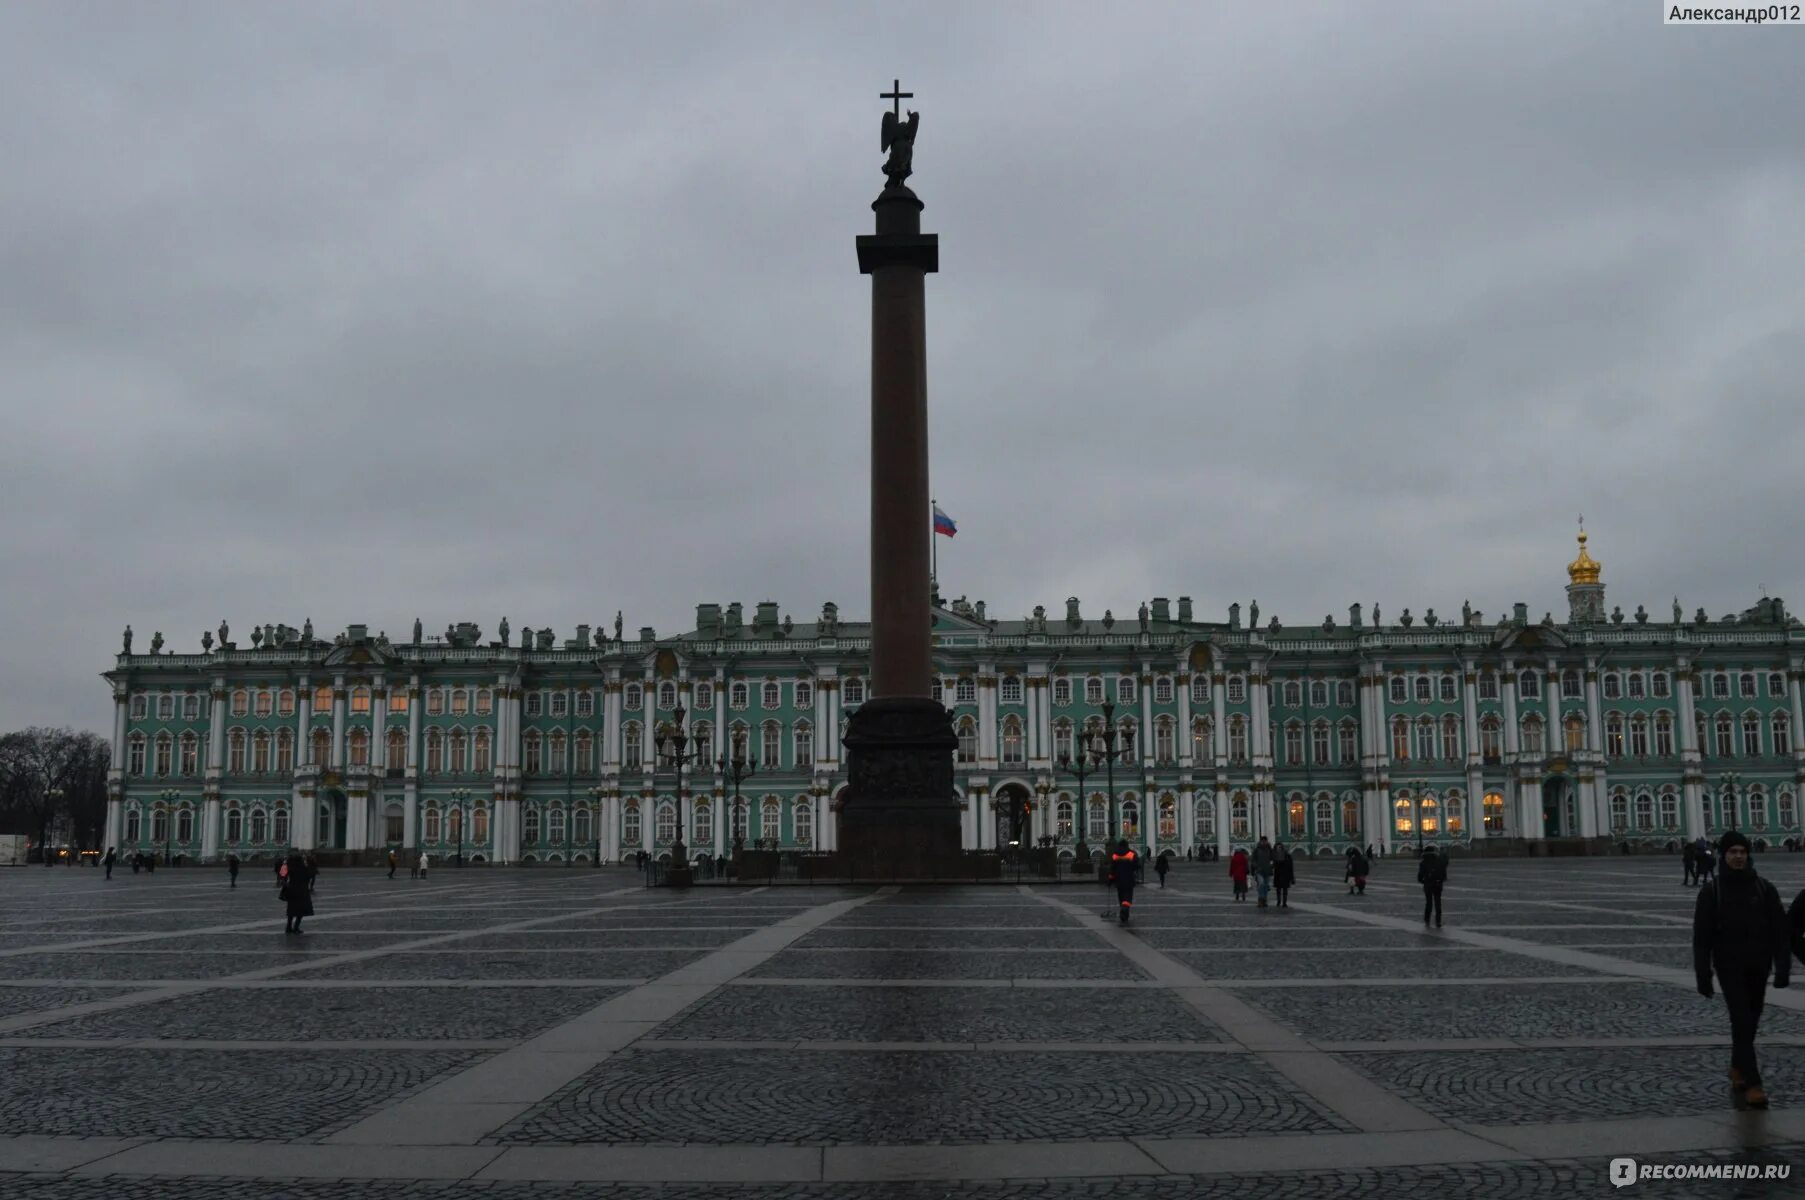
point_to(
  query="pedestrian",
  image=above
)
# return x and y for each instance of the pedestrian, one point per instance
(296, 891)
(422, 864)
(1237, 871)
(1689, 860)
(136, 861)
(1161, 865)
(1707, 862)
(1357, 868)
(1739, 928)
(1123, 866)
(1371, 852)
(1262, 868)
(232, 868)
(1284, 873)
(313, 873)
(394, 861)
(1432, 873)
(108, 861)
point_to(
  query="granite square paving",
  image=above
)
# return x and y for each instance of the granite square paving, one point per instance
(567, 1032)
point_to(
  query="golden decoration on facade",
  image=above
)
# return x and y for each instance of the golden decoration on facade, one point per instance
(1583, 569)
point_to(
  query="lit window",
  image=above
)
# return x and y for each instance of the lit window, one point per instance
(360, 699)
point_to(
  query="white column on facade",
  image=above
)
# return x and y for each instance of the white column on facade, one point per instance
(216, 734)
(1144, 758)
(115, 821)
(413, 727)
(303, 706)
(1551, 701)
(1223, 847)
(987, 715)
(1591, 816)
(1219, 706)
(304, 820)
(611, 701)
(379, 718)
(823, 697)
(119, 708)
(720, 714)
(1513, 735)
(1794, 674)
(1031, 701)
(1469, 698)
(210, 828)
(338, 722)
(648, 805)
(1181, 679)
(1187, 817)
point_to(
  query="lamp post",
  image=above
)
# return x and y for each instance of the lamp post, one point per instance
(1081, 771)
(675, 750)
(169, 796)
(1727, 782)
(55, 796)
(459, 801)
(1103, 748)
(597, 794)
(1416, 788)
(739, 768)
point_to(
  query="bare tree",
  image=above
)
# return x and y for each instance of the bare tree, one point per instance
(45, 770)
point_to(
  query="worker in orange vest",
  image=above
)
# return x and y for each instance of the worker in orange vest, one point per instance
(1122, 867)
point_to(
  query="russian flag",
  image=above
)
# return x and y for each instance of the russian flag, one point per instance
(943, 523)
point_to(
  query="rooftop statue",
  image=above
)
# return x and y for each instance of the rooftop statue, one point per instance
(899, 139)
(504, 631)
(417, 638)
(128, 640)
(223, 631)
(156, 642)
(207, 641)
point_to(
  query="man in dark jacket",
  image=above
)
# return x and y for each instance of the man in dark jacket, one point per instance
(1122, 866)
(1689, 859)
(1357, 869)
(1739, 928)
(1432, 873)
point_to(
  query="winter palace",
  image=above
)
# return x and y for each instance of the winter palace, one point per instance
(1392, 732)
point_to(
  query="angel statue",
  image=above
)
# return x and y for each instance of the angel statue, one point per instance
(899, 140)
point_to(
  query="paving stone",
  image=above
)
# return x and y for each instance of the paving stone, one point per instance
(17, 1000)
(944, 964)
(124, 963)
(1521, 1087)
(1454, 962)
(820, 1097)
(836, 938)
(450, 963)
(203, 1093)
(1276, 937)
(1020, 1014)
(339, 1014)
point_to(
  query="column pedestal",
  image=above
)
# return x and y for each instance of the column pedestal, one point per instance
(901, 819)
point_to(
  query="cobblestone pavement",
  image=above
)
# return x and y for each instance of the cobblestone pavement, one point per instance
(1078, 1060)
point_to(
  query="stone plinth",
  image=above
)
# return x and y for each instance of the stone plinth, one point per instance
(901, 817)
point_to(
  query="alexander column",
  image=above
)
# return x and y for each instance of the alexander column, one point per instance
(900, 818)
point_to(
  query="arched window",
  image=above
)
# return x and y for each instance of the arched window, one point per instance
(1296, 818)
(1491, 738)
(772, 749)
(259, 826)
(241, 702)
(853, 690)
(558, 761)
(1400, 739)
(804, 820)
(1645, 812)
(322, 748)
(1344, 694)
(1012, 741)
(534, 753)
(1348, 742)
(1131, 818)
(805, 693)
(191, 706)
(1529, 685)
(1125, 689)
(802, 740)
(1659, 685)
(1204, 819)
(1664, 734)
(1570, 684)
(1532, 734)
(1237, 689)
(1746, 685)
(702, 818)
(279, 834)
(1639, 734)
(1403, 820)
(166, 753)
(234, 750)
(1423, 689)
(266, 703)
(360, 699)
(1237, 739)
(1319, 743)
(1350, 818)
(134, 826)
(582, 827)
(1239, 822)
(1757, 806)
(1093, 689)
(1576, 733)
(770, 695)
(395, 750)
(633, 697)
(1726, 736)
(630, 832)
(1488, 685)
(184, 825)
(460, 702)
(481, 743)
(1097, 820)
(1782, 734)
(555, 826)
(1064, 816)
(1294, 694)
(1788, 809)
(1202, 752)
(1200, 688)
(529, 825)
(1324, 815)
(234, 825)
(738, 694)
(1620, 811)
(435, 752)
(1449, 691)
(485, 702)
(771, 820)
(1613, 687)
(1168, 817)
(1319, 694)
(135, 761)
(1062, 738)
(1162, 690)
(585, 752)
(322, 700)
(667, 695)
(631, 754)
(479, 826)
(1494, 812)
(191, 754)
(1637, 688)
(139, 708)
(1613, 735)
(1400, 690)
(259, 751)
(1751, 735)
(968, 740)
(1294, 743)
(1429, 812)
(1670, 809)
(360, 747)
(1450, 738)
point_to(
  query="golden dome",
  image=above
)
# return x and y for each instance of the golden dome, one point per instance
(1583, 569)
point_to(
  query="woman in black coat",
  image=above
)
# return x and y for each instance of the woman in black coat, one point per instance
(297, 892)
(1284, 874)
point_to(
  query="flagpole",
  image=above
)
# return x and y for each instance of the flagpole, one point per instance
(934, 541)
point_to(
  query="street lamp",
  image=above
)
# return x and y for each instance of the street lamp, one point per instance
(596, 794)
(675, 749)
(1101, 750)
(1727, 782)
(169, 796)
(739, 768)
(459, 799)
(55, 795)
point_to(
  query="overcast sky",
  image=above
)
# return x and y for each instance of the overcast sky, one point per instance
(363, 312)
